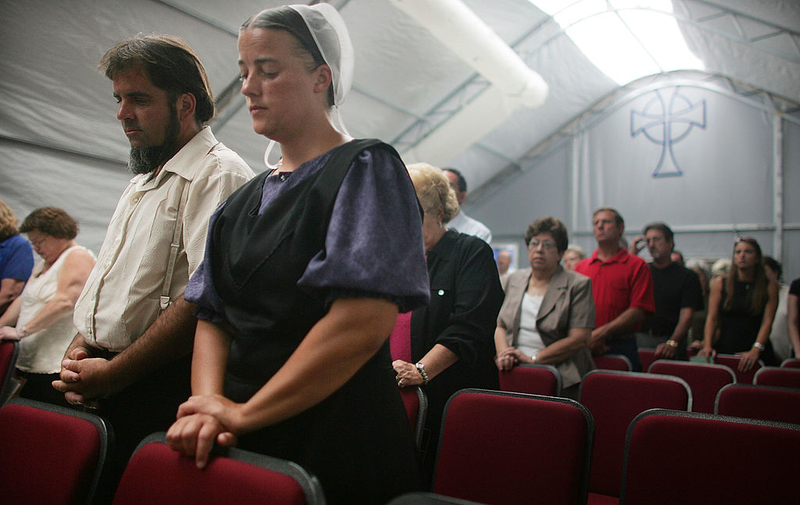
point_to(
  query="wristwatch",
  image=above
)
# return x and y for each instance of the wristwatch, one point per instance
(423, 373)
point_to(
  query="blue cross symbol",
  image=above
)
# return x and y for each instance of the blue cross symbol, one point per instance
(666, 125)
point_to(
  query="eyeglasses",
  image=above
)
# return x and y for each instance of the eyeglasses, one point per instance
(546, 245)
(36, 243)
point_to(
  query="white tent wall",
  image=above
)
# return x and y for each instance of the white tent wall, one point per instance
(60, 143)
(716, 180)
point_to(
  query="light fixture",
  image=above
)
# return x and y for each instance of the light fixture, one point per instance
(625, 39)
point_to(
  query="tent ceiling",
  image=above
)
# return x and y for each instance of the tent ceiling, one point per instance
(407, 86)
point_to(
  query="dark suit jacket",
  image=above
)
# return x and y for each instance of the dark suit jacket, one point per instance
(568, 303)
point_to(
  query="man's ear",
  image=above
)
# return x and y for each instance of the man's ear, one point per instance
(186, 105)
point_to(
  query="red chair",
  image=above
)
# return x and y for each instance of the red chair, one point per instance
(613, 362)
(510, 448)
(732, 362)
(704, 379)
(532, 379)
(9, 350)
(615, 399)
(783, 377)
(423, 498)
(647, 356)
(416, 404)
(158, 475)
(710, 460)
(50, 454)
(759, 402)
(790, 363)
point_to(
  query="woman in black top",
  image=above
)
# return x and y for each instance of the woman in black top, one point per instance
(452, 339)
(741, 308)
(305, 269)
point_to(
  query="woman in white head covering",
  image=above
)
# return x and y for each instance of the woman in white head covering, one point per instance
(306, 268)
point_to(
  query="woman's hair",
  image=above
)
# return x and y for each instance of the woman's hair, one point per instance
(170, 64)
(757, 296)
(775, 266)
(577, 250)
(698, 264)
(433, 189)
(550, 225)
(8, 222)
(289, 20)
(51, 221)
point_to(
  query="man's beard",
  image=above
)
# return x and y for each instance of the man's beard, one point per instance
(144, 160)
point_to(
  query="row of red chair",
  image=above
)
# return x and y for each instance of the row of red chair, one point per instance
(510, 448)
(50, 454)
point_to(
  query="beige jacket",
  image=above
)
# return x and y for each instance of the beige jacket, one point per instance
(568, 303)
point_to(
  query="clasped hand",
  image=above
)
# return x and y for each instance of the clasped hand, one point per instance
(85, 380)
(407, 374)
(203, 420)
(509, 358)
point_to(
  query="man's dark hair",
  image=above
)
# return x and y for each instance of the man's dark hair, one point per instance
(171, 66)
(662, 227)
(461, 182)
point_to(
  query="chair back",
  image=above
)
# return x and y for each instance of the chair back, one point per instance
(510, 448)
(613, 362)
(705, 380)
(777, 376)
(732, 362)
(759, 402)
(532, 379)
(156, 474)
(50, 454)
(615, 399)
(416, 404)
(647, 356)
(711, 460)
(790, 363)
(9, 350)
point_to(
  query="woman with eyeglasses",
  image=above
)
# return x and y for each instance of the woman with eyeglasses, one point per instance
(41, 318)
(548, 313)
(741, 309)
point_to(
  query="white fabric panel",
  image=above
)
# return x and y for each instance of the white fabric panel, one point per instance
(727, 173)
(87, 189)
(525, 196)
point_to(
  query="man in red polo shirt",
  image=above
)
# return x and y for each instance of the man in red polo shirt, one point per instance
(622, 286)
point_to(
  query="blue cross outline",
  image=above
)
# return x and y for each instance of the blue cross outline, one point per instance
(667, 118)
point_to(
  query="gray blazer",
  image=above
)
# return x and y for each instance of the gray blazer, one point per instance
(568, 303)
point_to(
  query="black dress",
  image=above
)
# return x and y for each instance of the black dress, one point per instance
(739, 326)
(466, 296)
(357, 441)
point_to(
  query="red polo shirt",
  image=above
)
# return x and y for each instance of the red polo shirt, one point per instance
(623, 281)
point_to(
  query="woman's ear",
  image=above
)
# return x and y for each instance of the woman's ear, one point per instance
(324, 79)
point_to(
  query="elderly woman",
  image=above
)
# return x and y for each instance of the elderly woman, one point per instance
(548, 314)
(16, 258)
(305, 269)
(43, 314)
(451, 339)
(573, 255)
(741, 309)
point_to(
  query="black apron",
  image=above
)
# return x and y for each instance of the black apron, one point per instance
(357, 441)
